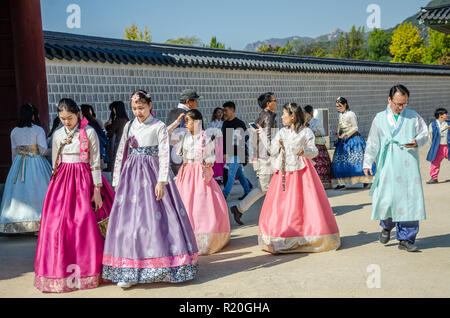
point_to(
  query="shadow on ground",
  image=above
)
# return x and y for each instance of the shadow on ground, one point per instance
(360, 239)
(343, 209)
(21, 250)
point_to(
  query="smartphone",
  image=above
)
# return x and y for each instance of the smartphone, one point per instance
(253, 125)
(410, 144)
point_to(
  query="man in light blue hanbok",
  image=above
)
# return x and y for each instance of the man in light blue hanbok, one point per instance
(394, 138)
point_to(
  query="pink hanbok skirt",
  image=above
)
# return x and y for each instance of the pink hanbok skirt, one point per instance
(206, 208)
(69, 250)
(298, 219)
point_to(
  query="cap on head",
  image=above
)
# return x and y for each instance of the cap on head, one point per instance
(189, 94)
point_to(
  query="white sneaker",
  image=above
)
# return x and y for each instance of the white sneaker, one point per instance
(125, 285)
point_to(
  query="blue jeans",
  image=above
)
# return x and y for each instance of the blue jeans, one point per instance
(235, 170)
(406, 231)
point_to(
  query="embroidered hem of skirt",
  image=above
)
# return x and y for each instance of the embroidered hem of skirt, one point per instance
(20, 227)
(66, 284)
(308, 244)
(353, 180)
(177, 274)
(160, 262)
(210, 243)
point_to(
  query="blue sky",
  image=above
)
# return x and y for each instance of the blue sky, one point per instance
(234, 22)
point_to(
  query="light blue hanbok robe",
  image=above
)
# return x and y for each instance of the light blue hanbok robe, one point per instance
(27, 182)
(397, 188)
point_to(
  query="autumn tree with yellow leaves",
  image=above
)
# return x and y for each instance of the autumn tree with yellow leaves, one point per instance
(407, 46)
(134, 34)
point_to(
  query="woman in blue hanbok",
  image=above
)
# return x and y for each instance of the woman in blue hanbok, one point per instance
(347, 164)
(28, 178)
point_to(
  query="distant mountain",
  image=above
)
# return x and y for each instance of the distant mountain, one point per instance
(333, 36)
(275, 42)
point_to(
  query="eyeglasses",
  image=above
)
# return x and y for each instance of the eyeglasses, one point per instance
(273, 101)
(400, 105)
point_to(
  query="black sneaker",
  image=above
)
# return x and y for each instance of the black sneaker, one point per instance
(366, 185)
(432, 181)
(237, 215)
(340, 187)
(405, 245)
(385, 236)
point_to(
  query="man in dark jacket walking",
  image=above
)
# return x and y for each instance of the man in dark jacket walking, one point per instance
(261, 161)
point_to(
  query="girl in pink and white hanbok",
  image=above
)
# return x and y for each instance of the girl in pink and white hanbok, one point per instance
(69, 250)
(296, 215)
(201, 194)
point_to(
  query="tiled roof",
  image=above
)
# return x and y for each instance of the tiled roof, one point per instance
(72, 47)
(437, 14)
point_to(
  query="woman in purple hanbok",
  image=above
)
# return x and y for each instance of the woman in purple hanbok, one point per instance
(149, 237)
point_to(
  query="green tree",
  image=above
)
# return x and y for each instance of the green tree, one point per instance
(351, 45)
(188, 40)
(437, 49)
(288, 48)
(133, 33)
(378, 44)
(268, 48)
(407, 45)
(214, 44)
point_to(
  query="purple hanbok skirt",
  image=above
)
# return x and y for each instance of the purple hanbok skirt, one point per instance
(147, 240)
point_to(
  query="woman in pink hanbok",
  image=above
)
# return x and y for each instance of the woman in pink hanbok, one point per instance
(296, 215)
(201, 194)
(70, 245)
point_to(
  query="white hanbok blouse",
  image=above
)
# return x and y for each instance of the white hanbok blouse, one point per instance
(191, 146)
(348, 123)
(71, 152)
(292, 141)
(150, 133)
(28, 136)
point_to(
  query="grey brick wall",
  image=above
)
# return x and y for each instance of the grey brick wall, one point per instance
(100, 84)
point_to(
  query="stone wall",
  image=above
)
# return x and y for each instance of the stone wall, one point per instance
(99, 84)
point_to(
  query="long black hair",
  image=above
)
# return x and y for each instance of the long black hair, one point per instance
(296, 110)
(119, 111)
(36, 119)
(86, 111)
(26, 116)
(55, 125)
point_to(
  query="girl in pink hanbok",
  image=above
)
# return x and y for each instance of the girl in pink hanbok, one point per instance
(201, 194)
(70, 245)
(296, 215)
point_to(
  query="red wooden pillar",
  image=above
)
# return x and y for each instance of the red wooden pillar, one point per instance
(22, 69)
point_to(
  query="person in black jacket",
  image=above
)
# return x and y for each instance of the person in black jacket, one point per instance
(261, 161)
(234, 144)
(188, 100)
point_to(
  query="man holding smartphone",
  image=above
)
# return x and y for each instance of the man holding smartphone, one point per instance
(394, 138)
(261, 161)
